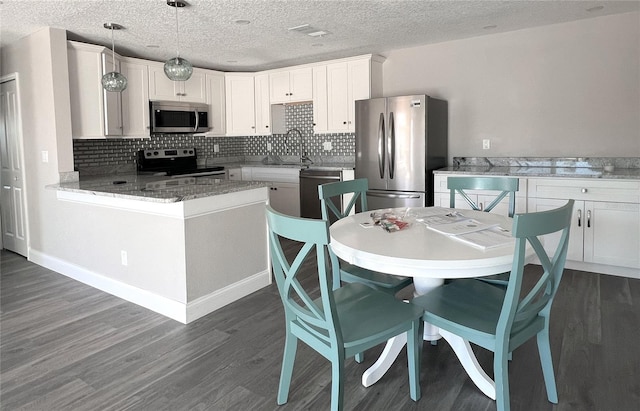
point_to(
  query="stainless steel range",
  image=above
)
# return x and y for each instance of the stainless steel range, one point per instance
(175, 162)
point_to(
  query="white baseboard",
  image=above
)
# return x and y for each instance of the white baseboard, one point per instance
(184, 313)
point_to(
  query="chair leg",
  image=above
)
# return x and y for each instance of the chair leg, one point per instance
(414, 357)
(337, 381)
(290, 347)
(501, 376)
(359, 357)
(544, 350)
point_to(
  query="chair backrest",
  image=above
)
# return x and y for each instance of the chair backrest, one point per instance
(357, 187)
(517, 313)
(506, 186)
(320, 321)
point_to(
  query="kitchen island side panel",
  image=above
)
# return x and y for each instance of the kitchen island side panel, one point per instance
(225, 248)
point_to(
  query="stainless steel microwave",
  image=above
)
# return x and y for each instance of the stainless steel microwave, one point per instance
(178, 117)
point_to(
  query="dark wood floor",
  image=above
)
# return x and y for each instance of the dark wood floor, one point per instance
(67, 346)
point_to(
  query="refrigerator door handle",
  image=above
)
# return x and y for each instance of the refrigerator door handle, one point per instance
(391, 146)
(381, 146)
(386, 195)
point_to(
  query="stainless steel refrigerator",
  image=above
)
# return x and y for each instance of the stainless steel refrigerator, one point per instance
(399, 142)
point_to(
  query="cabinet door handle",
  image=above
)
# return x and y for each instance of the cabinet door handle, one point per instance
(588, 218)
(579, 218)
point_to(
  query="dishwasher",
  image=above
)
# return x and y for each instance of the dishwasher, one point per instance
(310, 179)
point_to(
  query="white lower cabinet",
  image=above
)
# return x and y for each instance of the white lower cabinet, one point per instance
(234, 174)
(284, 186)
(606, 219)
(605, 230)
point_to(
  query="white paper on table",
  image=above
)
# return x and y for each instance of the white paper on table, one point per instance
(488, 238)
(461, 227)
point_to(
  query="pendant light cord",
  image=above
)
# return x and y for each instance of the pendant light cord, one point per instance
(177, 32)
(113, 51)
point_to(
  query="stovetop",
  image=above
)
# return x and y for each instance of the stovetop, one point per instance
(172, 162)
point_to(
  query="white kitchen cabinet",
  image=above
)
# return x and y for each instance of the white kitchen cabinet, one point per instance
(606, 220)
(234, 174)
(216, 101)
(480, 197)
(284, 186)
(263, 104)
(320, 107)
(240, 104)
(161, 87)
(290, 86)
(135, 98)
(95, 113)
(348, 81)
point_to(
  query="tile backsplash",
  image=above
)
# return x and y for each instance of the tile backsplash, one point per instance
(122, 152)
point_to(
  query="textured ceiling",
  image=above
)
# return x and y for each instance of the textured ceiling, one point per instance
(211, 38)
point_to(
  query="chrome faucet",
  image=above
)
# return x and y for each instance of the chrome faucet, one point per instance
(303, 155)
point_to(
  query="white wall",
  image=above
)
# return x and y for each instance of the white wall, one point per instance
(568, 89)
(43, 80)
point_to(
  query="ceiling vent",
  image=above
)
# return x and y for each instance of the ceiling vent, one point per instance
(309, 30)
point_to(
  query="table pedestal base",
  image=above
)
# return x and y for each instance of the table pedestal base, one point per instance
(461, 347)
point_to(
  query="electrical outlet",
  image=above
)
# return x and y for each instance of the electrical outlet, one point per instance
(216, 148)
(268, 146)
(123, 258)
(327, 145)
(486, 144)
(45, 156)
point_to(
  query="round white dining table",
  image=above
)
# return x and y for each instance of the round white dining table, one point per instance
(429, 257)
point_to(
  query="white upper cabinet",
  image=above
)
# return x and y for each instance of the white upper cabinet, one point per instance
(263, 104)
(95, 113)
(240, 104)
(348, 81)
(135, 98)
(320, 107)
(216, 102)
(193, 90)
(291, 85)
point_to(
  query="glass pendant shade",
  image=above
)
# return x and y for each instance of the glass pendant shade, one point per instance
(177, 68)
(113, 81)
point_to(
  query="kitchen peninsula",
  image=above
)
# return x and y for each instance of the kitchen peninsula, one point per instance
(182, 247)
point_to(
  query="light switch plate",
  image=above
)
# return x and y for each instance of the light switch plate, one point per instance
(45, 156)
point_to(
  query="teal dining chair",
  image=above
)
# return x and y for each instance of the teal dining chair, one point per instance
(497, 318)
(349, 272)
(505, 186)
(342, 321)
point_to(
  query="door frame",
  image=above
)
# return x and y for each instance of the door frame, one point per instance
(20, 137)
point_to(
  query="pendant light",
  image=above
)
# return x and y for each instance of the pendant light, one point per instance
(177, 68)
(114, 81)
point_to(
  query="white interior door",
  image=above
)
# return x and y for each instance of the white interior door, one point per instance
(12, 202)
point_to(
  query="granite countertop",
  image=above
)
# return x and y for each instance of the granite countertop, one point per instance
(159, 189)
(614, 168)
(564, 172)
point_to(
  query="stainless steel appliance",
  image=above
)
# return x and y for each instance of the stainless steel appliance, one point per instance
(178, 117)
(180, 162)
(310, 179)
(399, 142)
